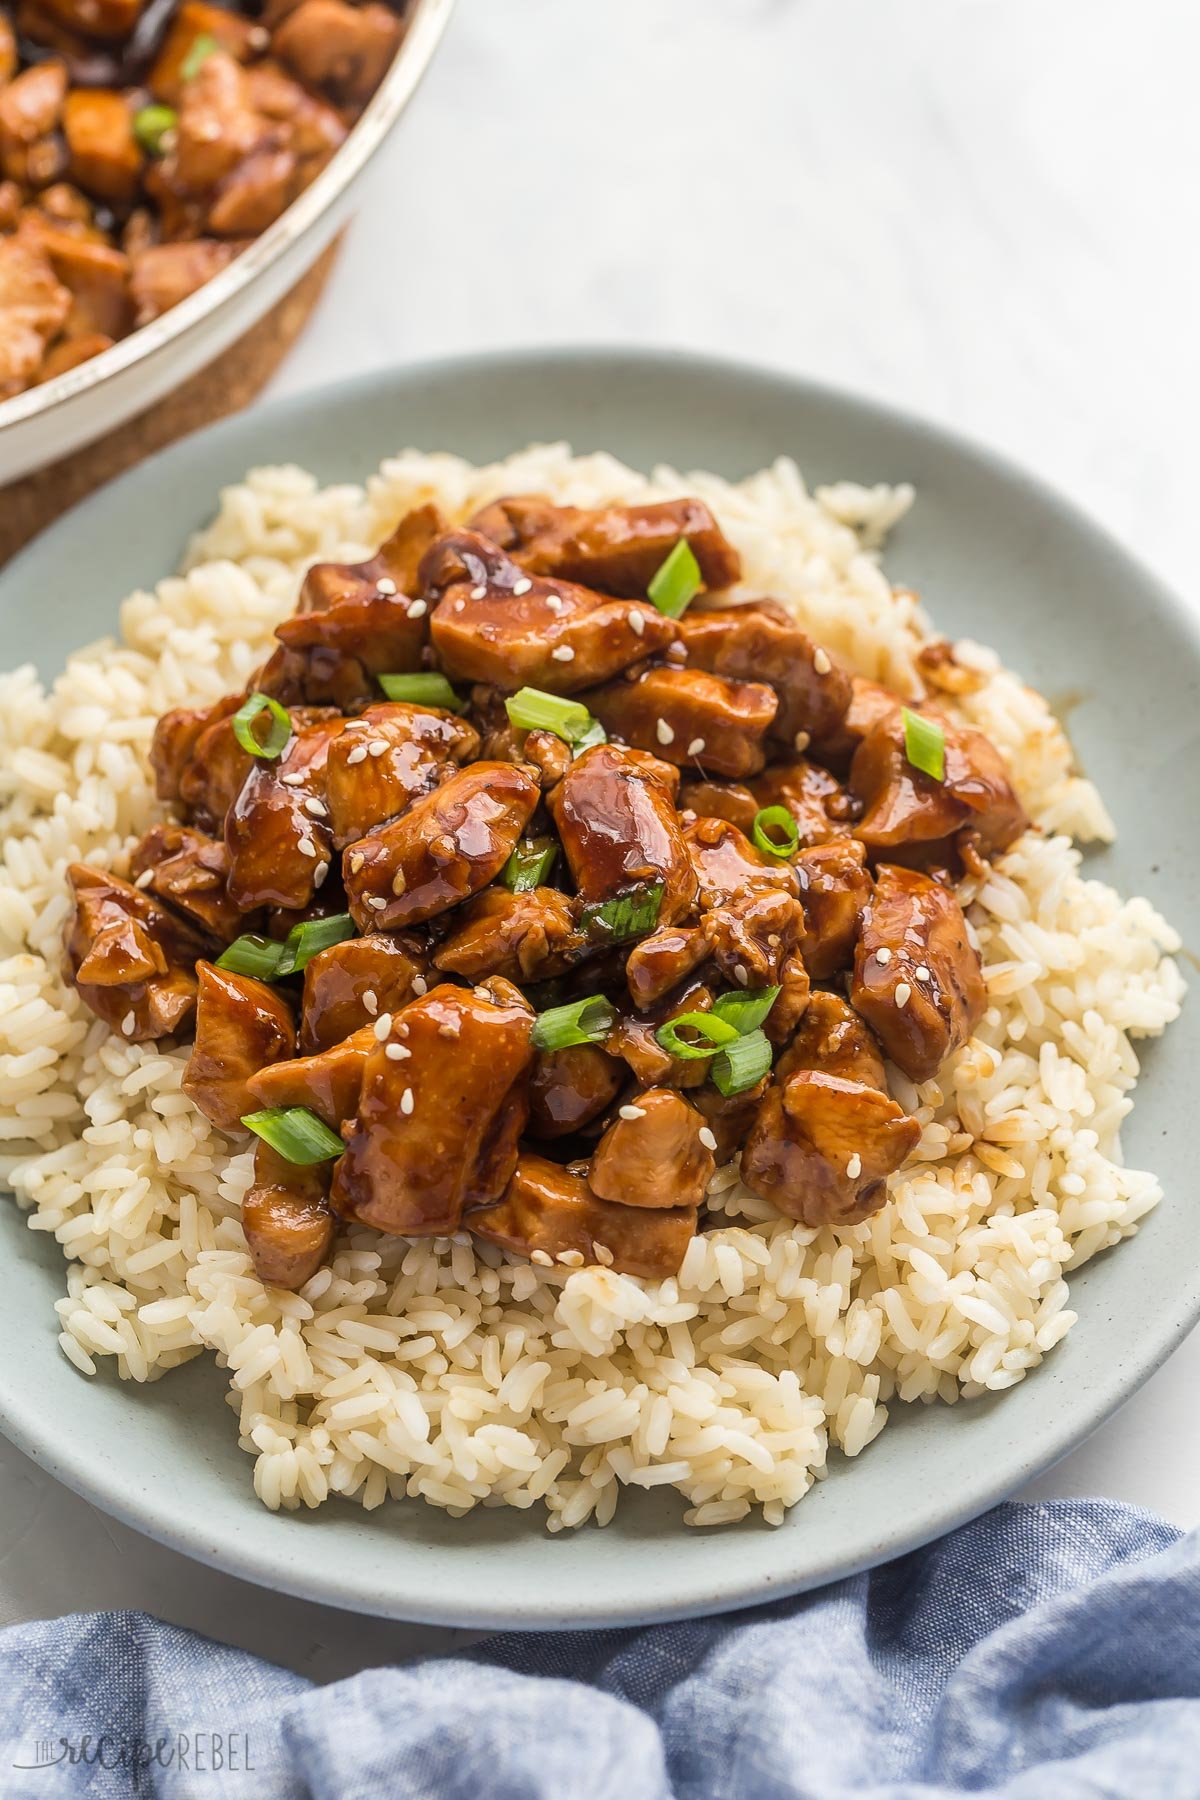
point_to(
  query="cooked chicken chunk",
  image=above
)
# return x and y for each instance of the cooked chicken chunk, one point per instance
(531, 936)
(569, 1088)
(241, 1026)
(911, 817)
(328, 1083)
(548, 1210)
(762, 642)
(617, 549)
(355, 982)
(105, 158)
(633, 1038)
(729, 1117)
(753, 939)
(437, 1130)
(619, 830)
(366, 785)
(30, 109)
(654, 1154)
(833, 1038)
(494, 623)
(343, 50)
(705, 799)
(917, 979)
(689, 717)
(277, 830)
(161, 275)
(661, 961)
(834, 890)
(816, 799)
(728, 864)
(33, 307)
(187, 870)
(286, 1218)
(447, 846)
(821, 1148)
(132, 961)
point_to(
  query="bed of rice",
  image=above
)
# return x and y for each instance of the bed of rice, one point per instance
(439, 1368)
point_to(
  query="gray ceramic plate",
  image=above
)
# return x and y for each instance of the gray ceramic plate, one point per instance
(997, 558)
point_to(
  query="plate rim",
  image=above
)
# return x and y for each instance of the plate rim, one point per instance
(280, 1569)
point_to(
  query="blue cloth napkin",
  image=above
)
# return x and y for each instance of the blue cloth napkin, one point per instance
(1043, 1651)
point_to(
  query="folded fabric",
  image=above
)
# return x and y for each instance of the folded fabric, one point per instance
(1042, 1653)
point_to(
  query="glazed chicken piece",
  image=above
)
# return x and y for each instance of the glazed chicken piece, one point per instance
(198, 762)
(241, 1026)
(754, 940)
(921, 820)
(343, 50)
(569, 1088)
(31, 154)
(822, 1147)
(366, 784)
(617, 549)
(917, 979)
(187, 870)
(817, 801)
(654, 1154)
(548, 1209)
(437, 1129)
(161, 275)
(286, 1218)
(633, 1039)
(833, 1038)
(688, 717)
(328, 1084)
(95, 274)
(762, 642)
(494, 623)
(615, 817)
(237, 36)
(33, 308)
(661, 961)
(68, 353)
(357, 621)
(132, 961)
(447, 846)
(277, 830)
(869, 703)
(835, 888)
(105, 157)
(704, 799)
(729, 1117)
(728, 864)
(531, 936)
(355, 982)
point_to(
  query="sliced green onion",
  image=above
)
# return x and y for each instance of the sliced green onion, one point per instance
(295, 1134)
(624, 917)
(713, 1032)
(278, 737)
(529, 864)
(595, 734)
(742, 1065)
(252, 955)
(202, 47)
(151, 125)
(775, 831)
(676, 581)
(924, 744)
(305, 940)
(745, 1011)
(582, 1022)
(529, 709)
(423, 690)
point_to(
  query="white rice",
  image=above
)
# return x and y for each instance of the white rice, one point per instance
(440, 1368)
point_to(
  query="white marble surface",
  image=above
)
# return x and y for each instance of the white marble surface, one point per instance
(981, 210)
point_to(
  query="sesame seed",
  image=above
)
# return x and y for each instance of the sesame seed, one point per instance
(145, 878)
(399, 885)
(773, 940)
(420, 985)
(461, 605)
(258, 37)
(306, 847)
(883, 956)
(357, 861)
(540, 1256)
(637, 621)
(602, 1254)
(663, 732)
(385, 585)
(481, 993)
(376, 902)
(450, 1029)
(802, 740)
(397, 1052)
(923, 973)
(571, 1259)
(406, 1102)
(741, 973)
(356, 725)
(695, 747)
(903, 993)
(479, 593)
(317, 808)
(128, 1024)
(522, 586)
(821, 662)
(555, 602)
(291, 780)
(370, 1000)
(358, 754)
(319, 874)
(707, 1138)
(417, 610)
(383, 1025)
(632, 1112)
(564, 653)
(377, 747)
(854, 1166)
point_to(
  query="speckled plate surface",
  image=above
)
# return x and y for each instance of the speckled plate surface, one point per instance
(996, 557)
